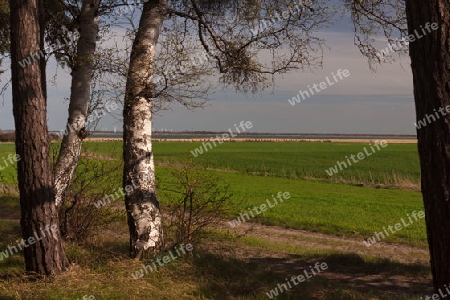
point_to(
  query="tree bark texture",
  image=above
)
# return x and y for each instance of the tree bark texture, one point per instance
(38, 211)
(80, 94)
(430, 62)
(144, 216)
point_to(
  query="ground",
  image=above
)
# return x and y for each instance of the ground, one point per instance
(250, 260)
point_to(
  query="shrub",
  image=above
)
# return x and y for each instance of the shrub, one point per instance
(195, 199)
(79, 217)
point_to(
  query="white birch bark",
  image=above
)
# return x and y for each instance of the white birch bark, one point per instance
(79, 99)
(143, 212)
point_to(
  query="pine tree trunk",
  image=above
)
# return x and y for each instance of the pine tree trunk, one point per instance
(39, 217)
(144, 216)
(79, 99)
(430, 60)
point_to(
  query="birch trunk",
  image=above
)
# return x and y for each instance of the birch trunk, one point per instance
(79, 99)
(143, 212)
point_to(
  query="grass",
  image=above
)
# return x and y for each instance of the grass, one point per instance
(394, 164)
(102, 269)
(327, 207)
(324, 207)
(7, 171)
(255, 172)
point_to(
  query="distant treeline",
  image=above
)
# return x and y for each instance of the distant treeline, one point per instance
(10, 136)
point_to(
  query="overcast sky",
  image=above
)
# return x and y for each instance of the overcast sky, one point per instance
(364, 102)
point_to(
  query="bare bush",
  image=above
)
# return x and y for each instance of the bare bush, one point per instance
(79, 217)
(195, 200)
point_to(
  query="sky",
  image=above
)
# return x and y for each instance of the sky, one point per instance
(365, 102)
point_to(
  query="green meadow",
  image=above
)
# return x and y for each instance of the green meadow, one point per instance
(365, 198)
(257, 170)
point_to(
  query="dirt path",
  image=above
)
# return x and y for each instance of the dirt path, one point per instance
(313, 240)
(403, 270)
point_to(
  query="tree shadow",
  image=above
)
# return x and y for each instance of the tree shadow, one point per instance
(9, 207)
(348, 276)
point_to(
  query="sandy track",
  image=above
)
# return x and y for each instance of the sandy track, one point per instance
(356, 276)
(314, 240)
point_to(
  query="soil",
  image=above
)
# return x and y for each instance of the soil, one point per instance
(353, 271)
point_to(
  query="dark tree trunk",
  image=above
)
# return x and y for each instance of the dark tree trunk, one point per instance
(144, 216)
(39, 218)
(430, 60)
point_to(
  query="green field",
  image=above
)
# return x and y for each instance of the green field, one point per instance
(293, 160)
(365, 198)
(257, 170)
(394, 164)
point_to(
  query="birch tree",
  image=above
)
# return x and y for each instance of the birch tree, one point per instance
(144, 216)
(63, 18)
(234, 36)
(85, 63)
(80, 95)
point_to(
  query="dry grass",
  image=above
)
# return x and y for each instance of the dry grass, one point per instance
(392, 180)
(222, 267)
